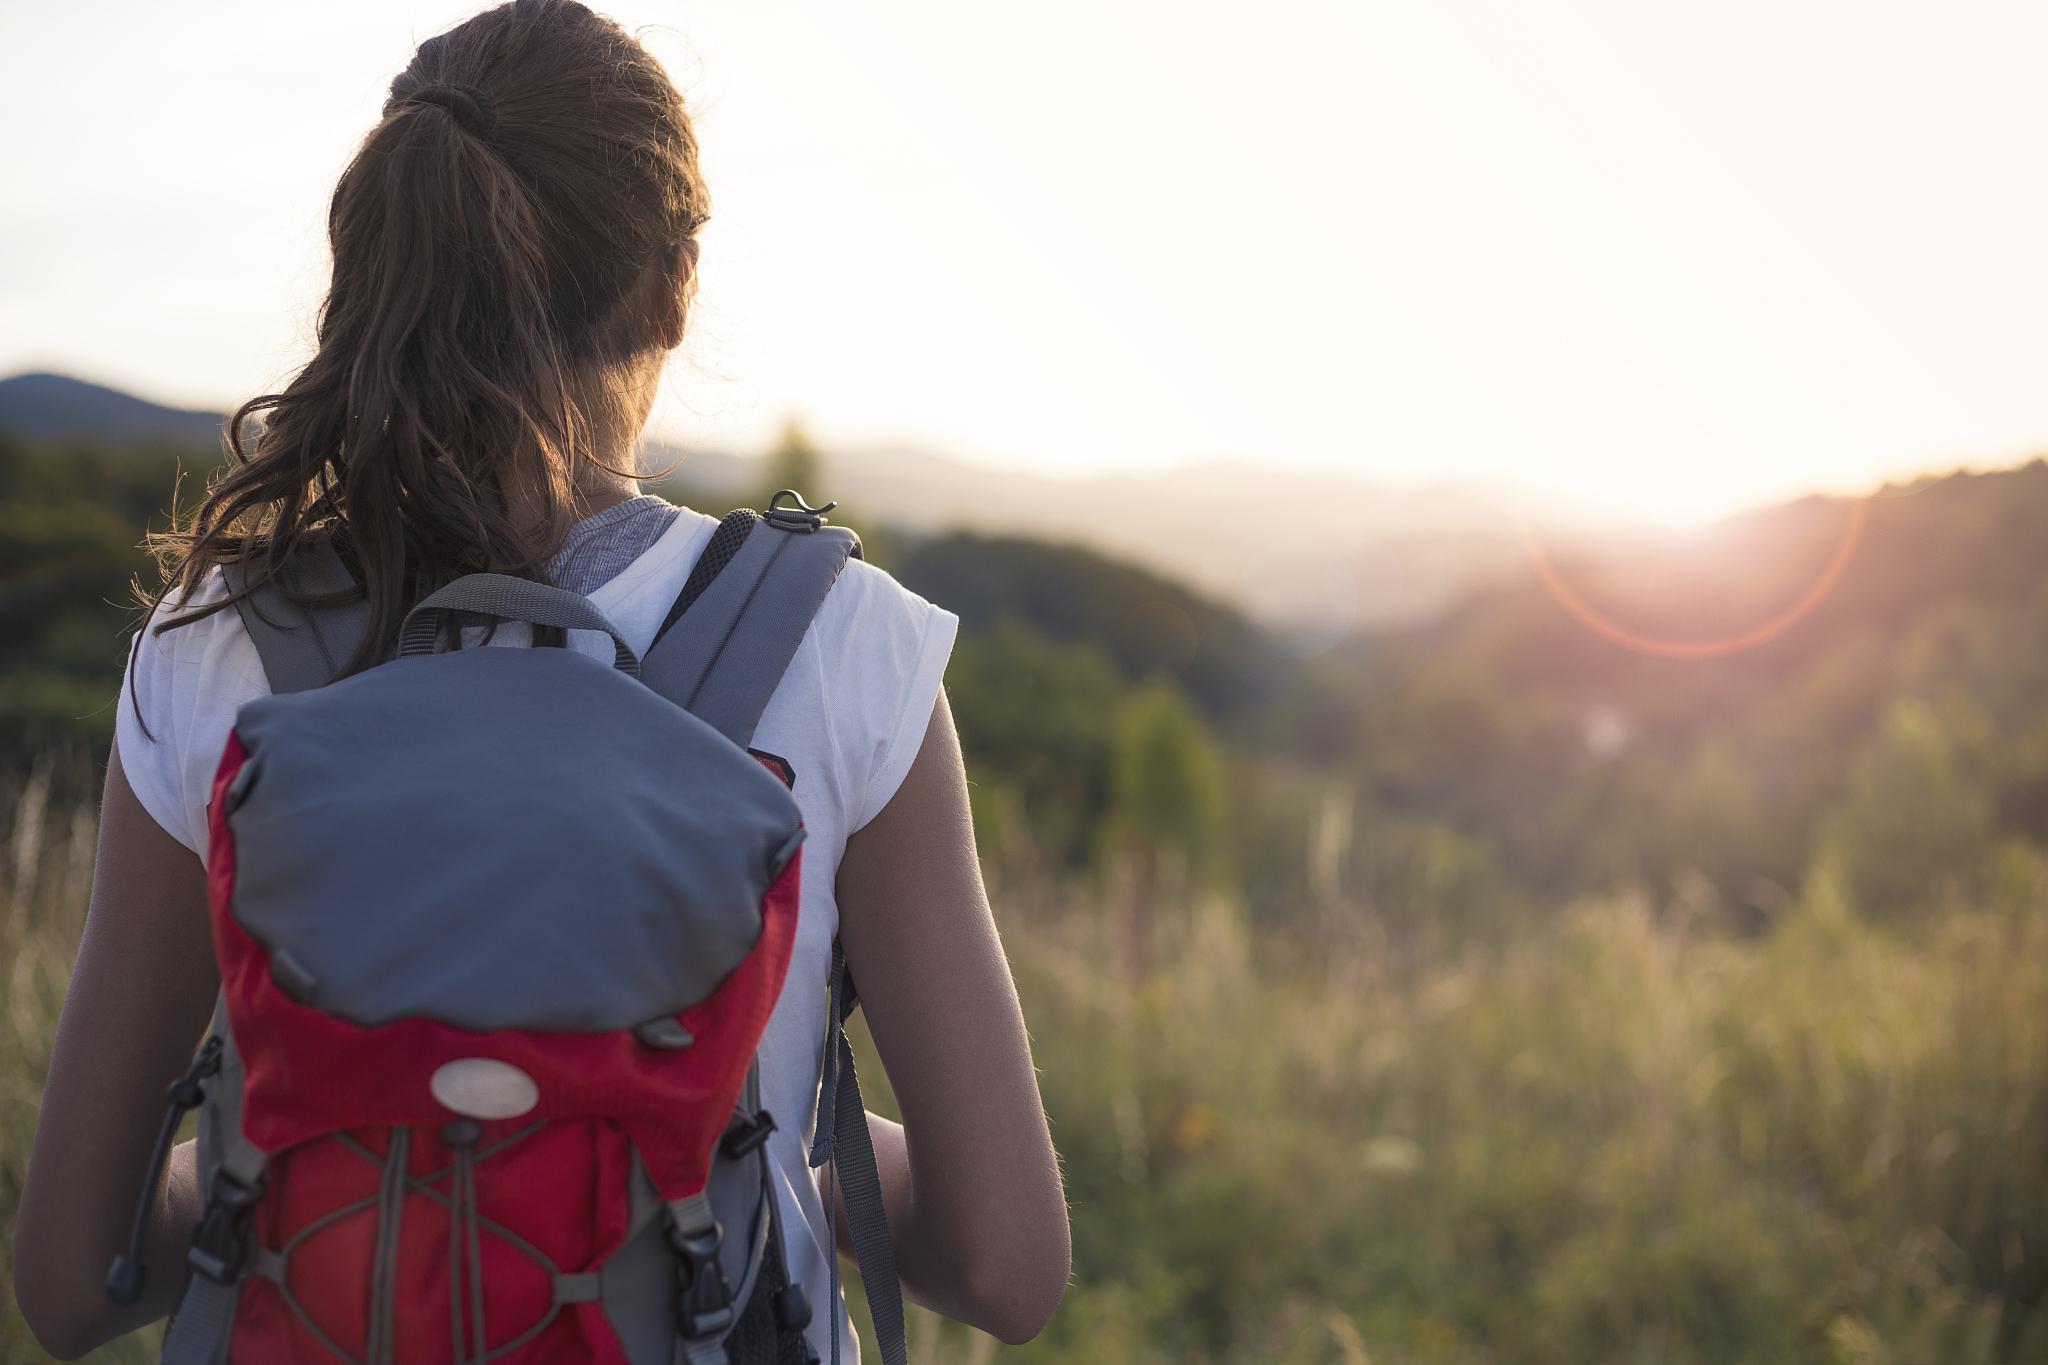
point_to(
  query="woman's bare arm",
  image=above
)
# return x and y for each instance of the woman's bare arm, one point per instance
(140, 997)
(970, 1180)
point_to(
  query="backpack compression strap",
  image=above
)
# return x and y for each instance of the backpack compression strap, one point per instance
(302, 647)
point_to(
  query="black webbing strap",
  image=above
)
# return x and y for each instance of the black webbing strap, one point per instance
(841, 1137)
(302, 647)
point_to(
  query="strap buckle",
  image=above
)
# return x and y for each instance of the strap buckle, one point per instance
(703, 1298)
(798, 516)
(747, 1134)
(219, 1244)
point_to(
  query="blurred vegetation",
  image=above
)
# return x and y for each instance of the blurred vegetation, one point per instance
(1478, 991)
(72, 518)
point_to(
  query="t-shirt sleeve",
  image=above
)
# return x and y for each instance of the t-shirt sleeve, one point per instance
(178, 699)
(896, 645)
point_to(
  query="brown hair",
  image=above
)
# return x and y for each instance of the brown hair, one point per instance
(531, 163)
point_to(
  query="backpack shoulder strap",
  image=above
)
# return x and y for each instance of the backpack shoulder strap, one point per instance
(738, 622)
(301, 646)
(725, 543)
(725, 645)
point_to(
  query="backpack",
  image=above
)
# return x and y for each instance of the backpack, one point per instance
(498, 933)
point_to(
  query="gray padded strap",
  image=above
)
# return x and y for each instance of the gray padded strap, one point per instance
(725, 655)
(198, 1335)
(231, 1149)
(506, 598)
(302, 648)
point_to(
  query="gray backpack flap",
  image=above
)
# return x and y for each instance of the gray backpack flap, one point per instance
(499, 930)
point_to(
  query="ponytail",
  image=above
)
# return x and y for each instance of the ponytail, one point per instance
(529, 164)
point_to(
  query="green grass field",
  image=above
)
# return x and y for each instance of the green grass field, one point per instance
(1624, 1137)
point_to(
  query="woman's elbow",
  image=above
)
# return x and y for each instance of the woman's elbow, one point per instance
(1014, 1314)
(62, 1307)
(1016, 1290)
(59, 1328)
(70, 1344)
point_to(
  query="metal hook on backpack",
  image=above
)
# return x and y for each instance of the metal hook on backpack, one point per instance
(799, 516)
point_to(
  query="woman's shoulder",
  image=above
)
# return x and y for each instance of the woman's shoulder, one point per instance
(198, 636)
(183, 625)
(882, 651)
(870, 614)
(190, 667)
(873, 586)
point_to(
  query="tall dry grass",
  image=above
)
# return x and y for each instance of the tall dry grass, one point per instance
(1624, 1138)
(49, 830)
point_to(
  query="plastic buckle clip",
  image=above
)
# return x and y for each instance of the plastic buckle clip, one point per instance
(219, 1245)
(704, 1299)
(747, 1134)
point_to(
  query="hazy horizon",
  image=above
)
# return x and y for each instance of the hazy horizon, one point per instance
(1637, 262)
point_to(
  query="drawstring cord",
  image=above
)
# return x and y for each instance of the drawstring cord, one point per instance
(383, 1344)
(125, 1275)
(463, 1235)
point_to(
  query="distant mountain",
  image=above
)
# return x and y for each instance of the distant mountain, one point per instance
(1317, 554)
(57, 407)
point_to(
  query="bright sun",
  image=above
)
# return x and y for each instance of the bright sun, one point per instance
(1681, 498)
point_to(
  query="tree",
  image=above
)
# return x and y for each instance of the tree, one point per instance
(1037, 719)
(795, 462)
(1918, 815)
(1166, 808)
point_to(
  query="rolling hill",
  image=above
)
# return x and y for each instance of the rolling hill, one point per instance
(1318, 555)
(58, 407)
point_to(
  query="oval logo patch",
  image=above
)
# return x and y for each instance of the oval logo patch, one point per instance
(480, 1088)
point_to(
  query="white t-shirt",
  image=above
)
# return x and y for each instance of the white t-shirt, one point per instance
(849, 715)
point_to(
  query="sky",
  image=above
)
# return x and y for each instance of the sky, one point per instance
(1655, 259)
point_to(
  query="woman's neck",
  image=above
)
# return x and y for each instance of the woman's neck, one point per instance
(593, 496)
(617, 418)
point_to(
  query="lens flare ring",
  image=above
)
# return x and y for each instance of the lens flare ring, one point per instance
(1668, 647)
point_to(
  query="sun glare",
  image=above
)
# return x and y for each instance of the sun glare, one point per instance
(1855, 517)
(1677, 505)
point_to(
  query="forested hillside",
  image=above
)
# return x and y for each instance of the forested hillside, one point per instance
(1899, 727)
(1550, 756)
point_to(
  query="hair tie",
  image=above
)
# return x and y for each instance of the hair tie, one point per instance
(471, 107)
